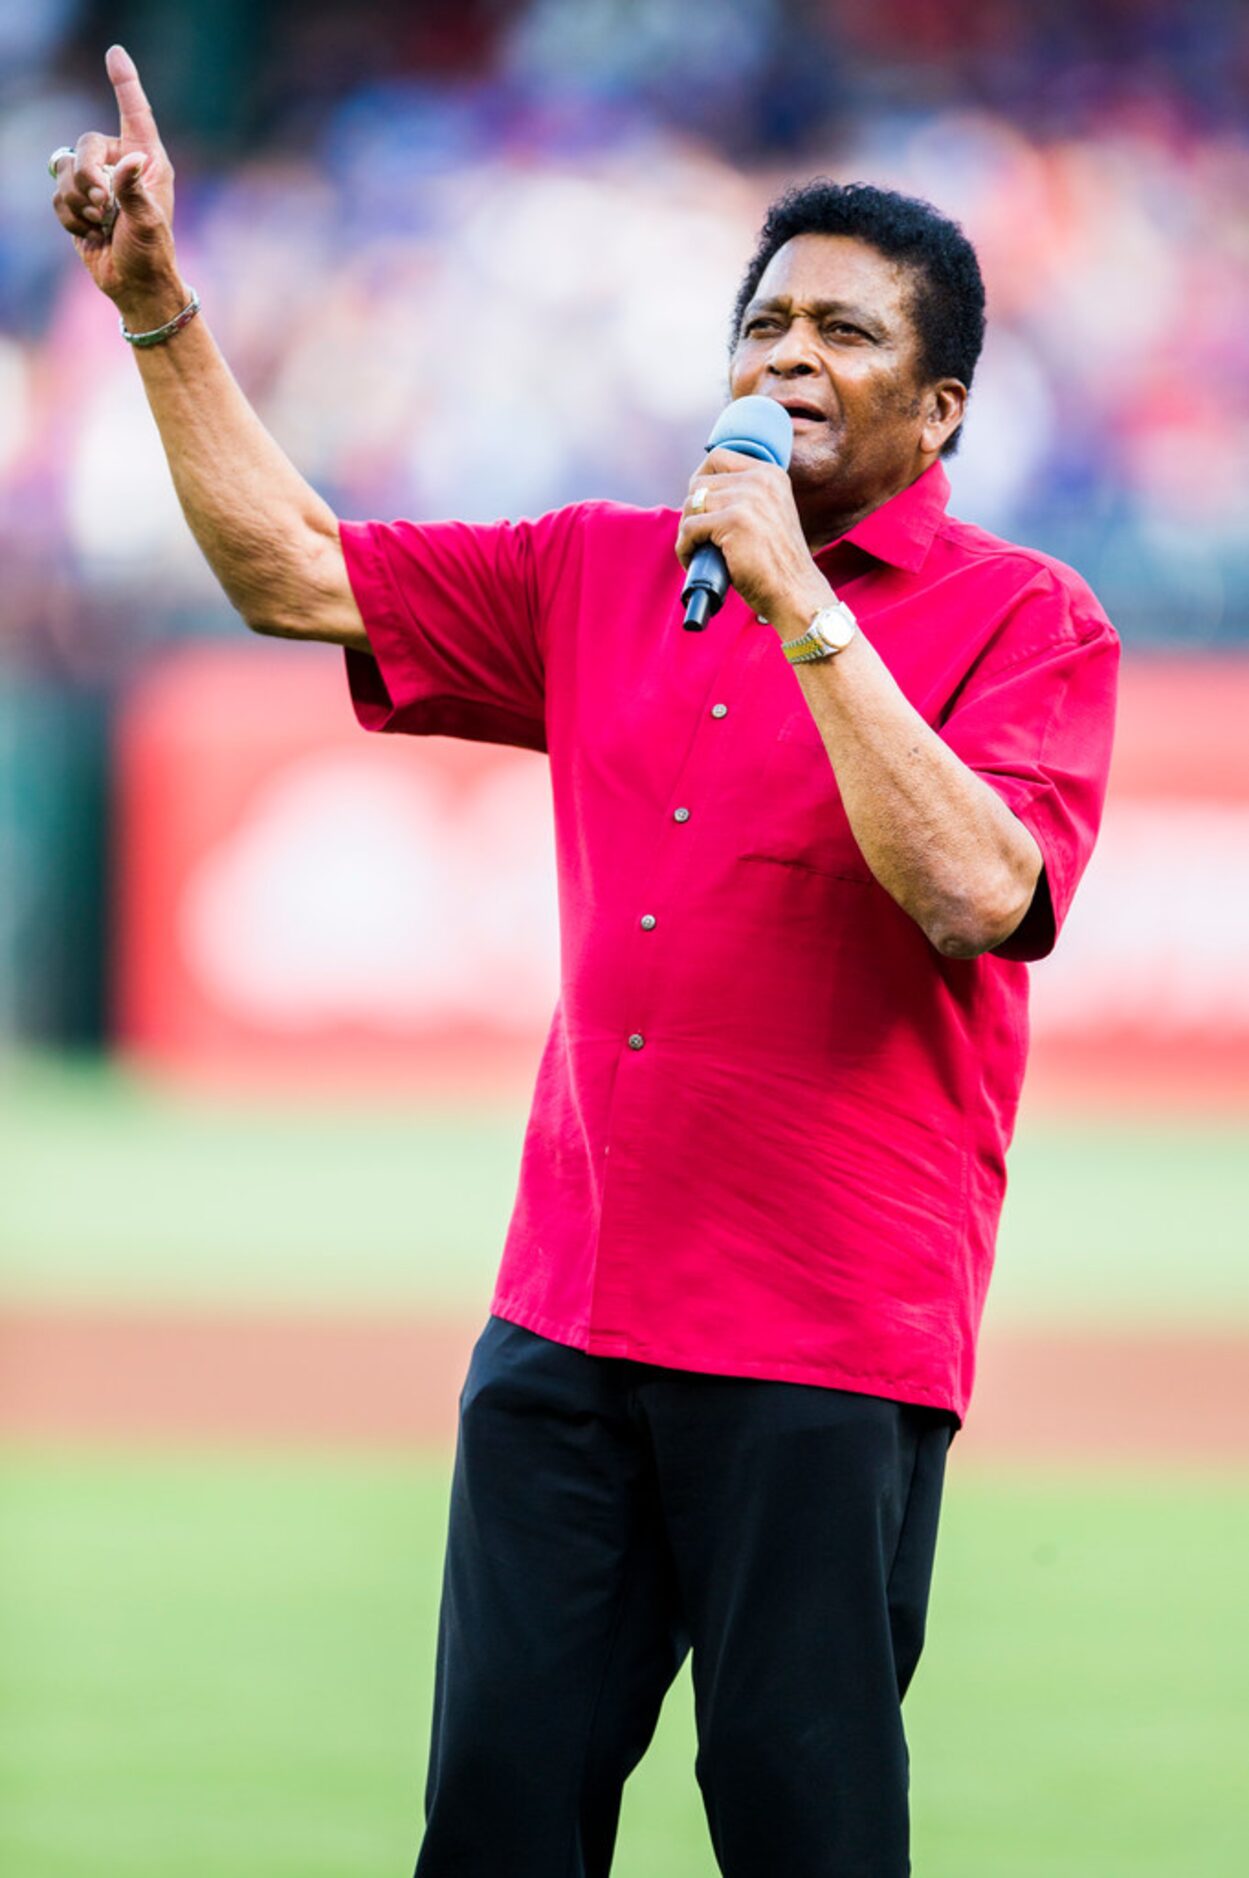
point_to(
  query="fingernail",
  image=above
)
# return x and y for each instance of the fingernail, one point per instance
(97, 195)
(91, 215)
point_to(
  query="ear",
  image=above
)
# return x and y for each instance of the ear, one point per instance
(943, 406)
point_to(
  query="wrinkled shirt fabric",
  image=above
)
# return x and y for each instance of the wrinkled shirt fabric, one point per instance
(769, 1130)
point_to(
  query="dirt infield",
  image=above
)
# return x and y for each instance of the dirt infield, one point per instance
(246, 1380)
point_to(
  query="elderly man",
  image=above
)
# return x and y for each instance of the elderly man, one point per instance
(804, 856)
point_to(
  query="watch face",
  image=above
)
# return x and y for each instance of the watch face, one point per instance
(835, 625)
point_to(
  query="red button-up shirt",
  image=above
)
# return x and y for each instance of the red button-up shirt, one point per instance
(770, 1122)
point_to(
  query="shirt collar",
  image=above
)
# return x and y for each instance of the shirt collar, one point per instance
(901, 530)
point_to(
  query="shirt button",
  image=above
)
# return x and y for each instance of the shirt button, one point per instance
(680, 815)
(637, 1040)
(648, 922)
(719, 710)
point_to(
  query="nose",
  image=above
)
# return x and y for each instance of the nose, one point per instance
(792, 355)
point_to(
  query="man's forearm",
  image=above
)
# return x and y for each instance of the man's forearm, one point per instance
(267, 535)
(934, 834)
(269, 538)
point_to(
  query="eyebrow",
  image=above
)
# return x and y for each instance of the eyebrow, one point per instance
(821, 309)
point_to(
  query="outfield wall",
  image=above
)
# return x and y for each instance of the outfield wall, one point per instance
(300, 901)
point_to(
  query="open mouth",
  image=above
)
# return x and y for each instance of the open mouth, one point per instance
(804, 413)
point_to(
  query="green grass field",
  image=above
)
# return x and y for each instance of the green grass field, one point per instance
(219, 1664)
(116, 1190)
(221, 1667)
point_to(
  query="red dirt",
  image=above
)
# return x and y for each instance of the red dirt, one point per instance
(246, 1380)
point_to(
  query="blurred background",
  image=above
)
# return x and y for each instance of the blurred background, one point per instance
(271, 992)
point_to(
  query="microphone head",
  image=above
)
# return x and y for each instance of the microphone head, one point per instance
(758, 427)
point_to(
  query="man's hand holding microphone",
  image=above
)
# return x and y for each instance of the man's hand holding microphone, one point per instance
(740, 523)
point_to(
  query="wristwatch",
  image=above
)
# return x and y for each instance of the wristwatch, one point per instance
(831, 630)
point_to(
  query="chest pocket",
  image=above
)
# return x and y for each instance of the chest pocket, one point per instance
(795, 817)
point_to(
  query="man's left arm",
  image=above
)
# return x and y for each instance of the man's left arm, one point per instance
(937, 837)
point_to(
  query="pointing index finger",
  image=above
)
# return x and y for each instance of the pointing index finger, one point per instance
(137, 123)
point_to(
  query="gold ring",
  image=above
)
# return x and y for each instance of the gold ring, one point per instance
(698, 501)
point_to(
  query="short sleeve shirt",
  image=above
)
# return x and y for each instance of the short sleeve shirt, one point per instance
(769, 1130)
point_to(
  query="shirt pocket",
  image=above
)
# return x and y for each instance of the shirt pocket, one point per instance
(796, 817)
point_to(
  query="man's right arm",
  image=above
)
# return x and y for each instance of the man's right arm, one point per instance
(271, 540)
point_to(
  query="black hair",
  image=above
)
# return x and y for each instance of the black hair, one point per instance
(947, 305)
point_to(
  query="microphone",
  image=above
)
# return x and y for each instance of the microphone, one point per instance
(757, 427)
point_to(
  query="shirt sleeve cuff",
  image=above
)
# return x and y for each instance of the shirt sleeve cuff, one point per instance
(389, 689)
(1037, 932)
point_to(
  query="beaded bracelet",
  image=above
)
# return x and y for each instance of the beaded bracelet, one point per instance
(159, 334)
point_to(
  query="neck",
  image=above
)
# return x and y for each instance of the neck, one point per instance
(824, 519)
(830, 525)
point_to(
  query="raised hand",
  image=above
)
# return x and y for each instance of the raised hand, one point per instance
(115, 197)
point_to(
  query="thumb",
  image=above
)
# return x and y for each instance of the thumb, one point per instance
(129, 190)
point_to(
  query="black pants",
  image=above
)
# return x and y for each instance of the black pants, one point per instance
(607, 1515)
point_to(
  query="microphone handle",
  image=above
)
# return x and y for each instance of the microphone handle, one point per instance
(706, 583)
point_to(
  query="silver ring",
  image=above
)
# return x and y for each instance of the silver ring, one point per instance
(108, 215)
(698, 501)
(65, 150)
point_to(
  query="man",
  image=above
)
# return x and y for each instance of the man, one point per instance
(803, 856)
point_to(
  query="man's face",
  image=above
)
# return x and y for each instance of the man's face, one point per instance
(829, 335)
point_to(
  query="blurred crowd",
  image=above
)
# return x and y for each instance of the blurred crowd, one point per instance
(477, 259)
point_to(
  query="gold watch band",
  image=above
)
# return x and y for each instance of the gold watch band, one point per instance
(830, 632)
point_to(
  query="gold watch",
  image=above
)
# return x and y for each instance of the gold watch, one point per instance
(831, 630)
